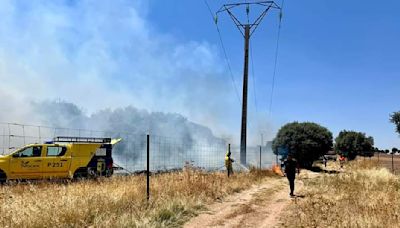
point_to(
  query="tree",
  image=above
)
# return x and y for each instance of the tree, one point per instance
(305, 141)
(351, 144)
(369, 151)
(394, 150)
(395, 118)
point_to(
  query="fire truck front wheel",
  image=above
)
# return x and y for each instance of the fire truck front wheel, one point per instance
(3, 177)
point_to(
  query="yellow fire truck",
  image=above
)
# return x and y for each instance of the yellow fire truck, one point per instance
(64, 157)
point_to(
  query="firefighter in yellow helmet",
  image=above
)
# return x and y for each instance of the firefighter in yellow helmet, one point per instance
(228, 162)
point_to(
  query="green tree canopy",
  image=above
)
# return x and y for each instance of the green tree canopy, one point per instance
(395, 118)
(305, 141)
(351, 144)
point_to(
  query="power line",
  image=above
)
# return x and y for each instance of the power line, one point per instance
(224, 50)
(252, 62)
(276, 58)
(227, 8)
(253, 77)
(226, 57)
(254, 84)
(246, 29)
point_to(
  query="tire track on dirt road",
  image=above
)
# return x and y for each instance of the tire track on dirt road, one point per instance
(259, 206)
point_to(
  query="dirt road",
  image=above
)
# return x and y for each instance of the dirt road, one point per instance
(260, 206)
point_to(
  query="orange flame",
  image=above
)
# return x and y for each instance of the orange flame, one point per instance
(277, 170)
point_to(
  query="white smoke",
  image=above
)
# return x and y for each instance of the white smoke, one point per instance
(174, 139)
(97, 55)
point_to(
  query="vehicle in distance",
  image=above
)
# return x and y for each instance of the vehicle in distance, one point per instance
(64, 157)
(331, 155)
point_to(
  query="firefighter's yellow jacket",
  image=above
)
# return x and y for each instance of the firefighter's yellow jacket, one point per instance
(228, 159)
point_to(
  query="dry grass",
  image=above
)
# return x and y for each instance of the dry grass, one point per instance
(119, 201)
(362, 196)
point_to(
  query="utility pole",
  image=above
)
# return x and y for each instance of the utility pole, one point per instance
(262, 139)
(260, 157)
(148, 169)
(261, 146)
(246, 29)
(392, 162)
(243, 132)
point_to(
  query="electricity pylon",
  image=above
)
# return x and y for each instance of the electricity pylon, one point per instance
(246, 29)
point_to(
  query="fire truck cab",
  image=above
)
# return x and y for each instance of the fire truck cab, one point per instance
(64, 157)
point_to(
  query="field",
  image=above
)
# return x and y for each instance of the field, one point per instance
(385, 160)
(363, 195)
(119, 201)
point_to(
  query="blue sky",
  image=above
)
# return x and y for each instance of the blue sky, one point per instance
(338, 62)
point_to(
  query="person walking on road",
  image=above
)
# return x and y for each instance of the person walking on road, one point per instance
(291, 166)
(228, 162)
(342, 159)
(324, 160)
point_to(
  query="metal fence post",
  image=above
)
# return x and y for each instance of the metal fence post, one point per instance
(148, 168)
(40, 136)
(392, 162)
(228, 166)
(23, 132)
(9, 138)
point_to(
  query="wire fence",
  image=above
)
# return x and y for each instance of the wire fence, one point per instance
(166, 153)
(391, 161)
